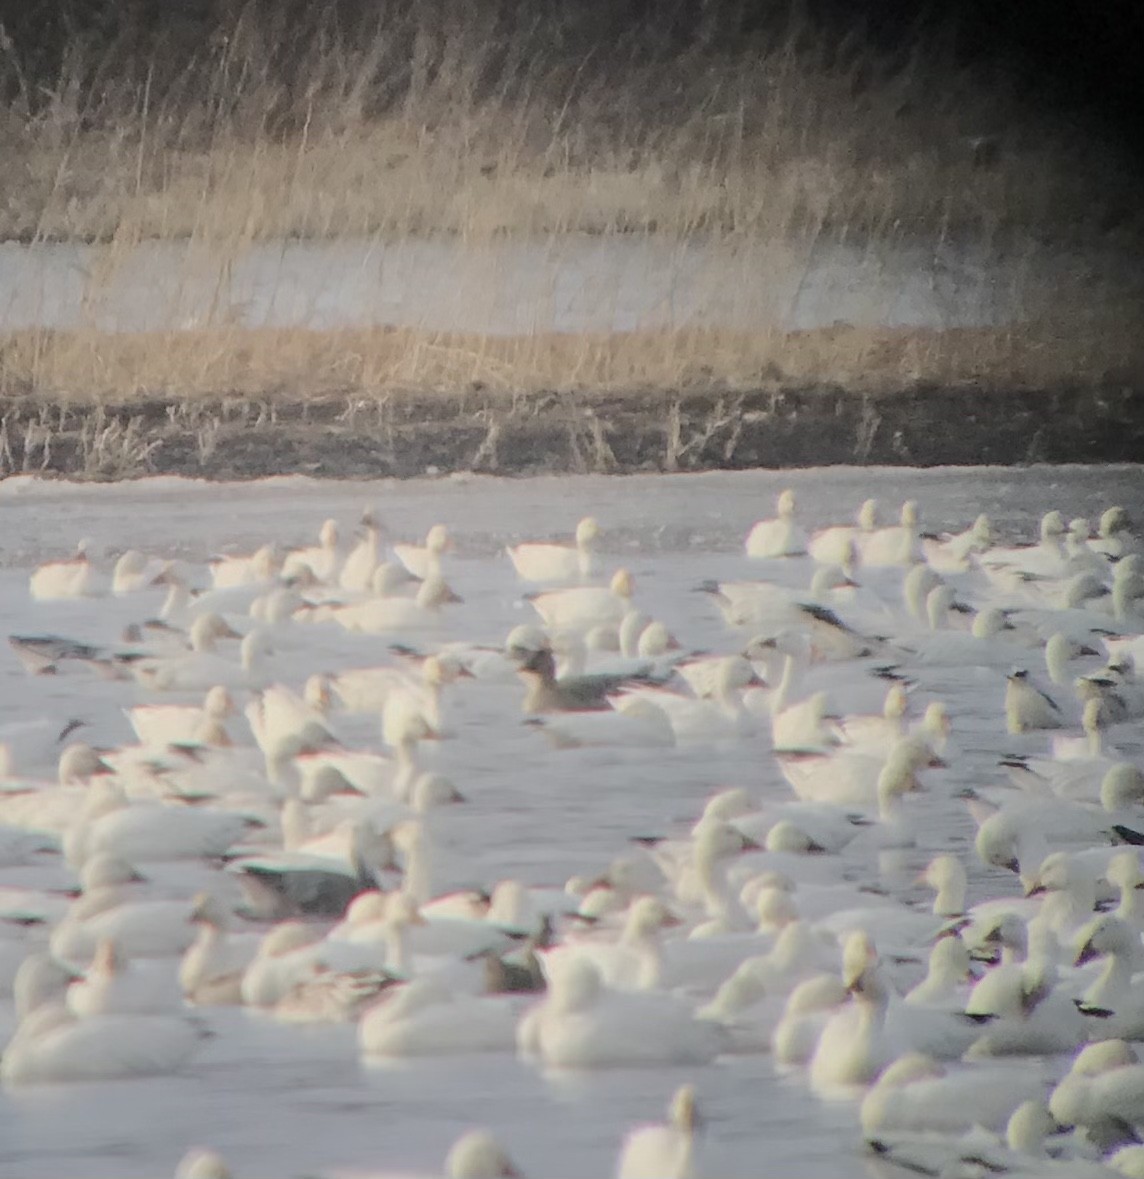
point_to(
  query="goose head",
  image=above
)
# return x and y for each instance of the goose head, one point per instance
(1052, 527)
(989, 623)
(908, 1069)
(949, 960)
(79, 763)
(939, 602)
(774, 909)
(867, 517)
(434, 592)
(1123, 871)
(897, 702)
(917, 585)
(655, 640)
(208, 629)
(586, 532)
(787, 836)
(202, 1164)
(1106, 935)
(1010, 933)
(478, 1155)
(41, 981)
(859, 959)
(682, 1110)
(1113, 522)
(438, 540)
(622, 584)
(646, 917)
(1028, 1127)
(946, 875)
(908, 517)
(729, 804)
(1121, 786)
(107, 871)
(785, 504)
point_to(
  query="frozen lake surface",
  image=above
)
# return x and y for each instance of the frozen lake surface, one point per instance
(280, 1100)
(573, 283)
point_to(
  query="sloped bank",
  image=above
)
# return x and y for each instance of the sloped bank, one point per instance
(407, 435)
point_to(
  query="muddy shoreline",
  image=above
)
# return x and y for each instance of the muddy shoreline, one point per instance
(232, 437)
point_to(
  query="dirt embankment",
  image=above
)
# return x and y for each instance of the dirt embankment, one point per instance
(344, 437)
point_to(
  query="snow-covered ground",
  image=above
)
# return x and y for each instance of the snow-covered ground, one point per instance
(283, 1100)
(574, 283)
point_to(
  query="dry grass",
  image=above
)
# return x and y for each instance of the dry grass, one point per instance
(487, 119)
(90, 367)
(480, 119)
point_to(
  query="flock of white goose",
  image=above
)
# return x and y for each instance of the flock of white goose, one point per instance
(272, 845)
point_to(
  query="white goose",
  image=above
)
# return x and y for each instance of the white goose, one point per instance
(580, 1024)
(558, 562)
(113, 985)
(425, 1018)
(170, 724)
(72, 577)
(52, 1045)
(424, 561)
(898, 545)
(384, 615)
(584, 607)
(780, 537)
(837, 545)
(664, 1151)
(321, 560)
(362, 560)
(915, 1094)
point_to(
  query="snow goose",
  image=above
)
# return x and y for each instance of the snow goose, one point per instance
(586, 606)
(424, 561)
(146, 832)
(917, 1095)
(52, 1045)
(211, 970)
(781, 536)
(197, 671)
(321, 559)
(202, 1164)
(382, 615)
(1114, 538)
(856, 779)
(113, 985)
(288, 955)
(154, 928)
(134, 572)
(948, 971)
(170, 724)
(860, 1039)
(1027, 707)
(580, 1024)
(69, 578)
(1103, 1092)
(664, 1151)
(478, 1155)
(362, 560)
(1118, 943)
(897, 545)
(41, 979)
(806, 1011)
(956, 553)
(558, 562)
(258, 568)
(836, 545)
(426, 1018)
(366, 689)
